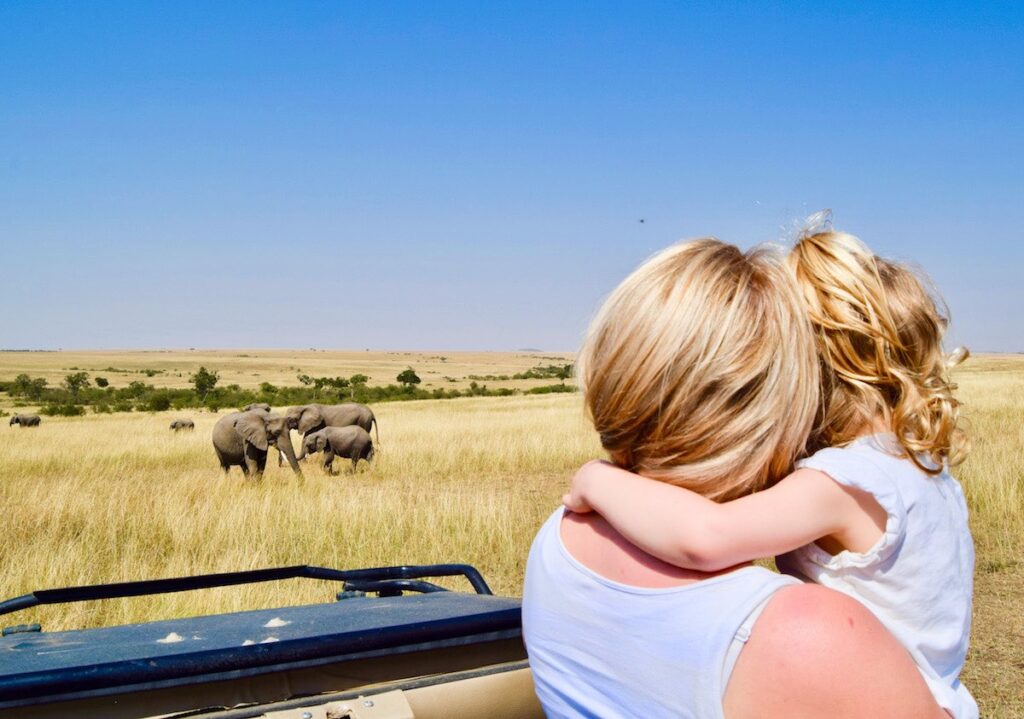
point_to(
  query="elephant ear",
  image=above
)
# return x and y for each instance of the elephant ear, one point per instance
(321, 443)
(311, 417)
(253, 428)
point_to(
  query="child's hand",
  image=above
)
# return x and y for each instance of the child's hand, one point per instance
(575, 499)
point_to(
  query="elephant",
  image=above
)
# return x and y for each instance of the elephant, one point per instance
(25, 420)
(352, 442)
(263, 406)
(243, 439)
(311, 417)
(180, 424)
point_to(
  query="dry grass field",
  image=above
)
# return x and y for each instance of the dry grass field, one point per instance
(115, 497)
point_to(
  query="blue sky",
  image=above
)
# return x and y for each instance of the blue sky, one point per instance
(467, 176)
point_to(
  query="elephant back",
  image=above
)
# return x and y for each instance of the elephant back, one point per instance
(350, 437)
(342, 415)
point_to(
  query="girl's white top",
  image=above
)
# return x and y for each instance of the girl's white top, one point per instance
(918, 578)
(599, 648)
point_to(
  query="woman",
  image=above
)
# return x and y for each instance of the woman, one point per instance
(700, 370)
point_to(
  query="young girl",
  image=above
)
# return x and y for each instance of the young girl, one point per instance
(873, 512)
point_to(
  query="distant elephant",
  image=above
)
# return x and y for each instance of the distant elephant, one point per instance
(257, 405)
(352, 442)
(311, 417)
(180, 424)
(25, 420)
(243, 438)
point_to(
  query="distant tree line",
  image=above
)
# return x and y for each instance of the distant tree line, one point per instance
(76, 393)
(552, 371)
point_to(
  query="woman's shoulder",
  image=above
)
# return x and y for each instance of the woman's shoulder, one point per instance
(814, 651)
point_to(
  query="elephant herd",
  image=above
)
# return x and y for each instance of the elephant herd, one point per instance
(244, 438)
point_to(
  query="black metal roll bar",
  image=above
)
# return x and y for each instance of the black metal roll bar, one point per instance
(374, 579)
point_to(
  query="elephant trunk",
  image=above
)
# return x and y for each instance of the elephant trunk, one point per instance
(285, 445)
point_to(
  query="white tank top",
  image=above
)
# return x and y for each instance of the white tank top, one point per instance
(599, 648)
(918, 578)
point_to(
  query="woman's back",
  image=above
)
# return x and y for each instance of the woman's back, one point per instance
(599, 647)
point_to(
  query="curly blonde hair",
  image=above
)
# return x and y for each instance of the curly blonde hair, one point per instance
(879, 335)
(700, 370)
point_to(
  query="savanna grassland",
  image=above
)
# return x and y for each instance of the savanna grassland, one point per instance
(114, 497)
(250, 368)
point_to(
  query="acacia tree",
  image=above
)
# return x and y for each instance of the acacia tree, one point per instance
(28, 387)
(408, 377)
(204, 381)
(356, 382)
(75, 383)
(564, 373)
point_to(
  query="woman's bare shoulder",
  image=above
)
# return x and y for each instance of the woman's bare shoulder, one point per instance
(814, 652)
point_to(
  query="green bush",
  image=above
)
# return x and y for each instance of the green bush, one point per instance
(551, 389)
(159, 402)
(408, 377)
(63, 410)
(26, 386)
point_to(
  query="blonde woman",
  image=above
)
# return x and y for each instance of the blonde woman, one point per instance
(874, 512)
(700, 371)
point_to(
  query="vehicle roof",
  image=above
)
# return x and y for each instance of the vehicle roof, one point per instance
(179, 651)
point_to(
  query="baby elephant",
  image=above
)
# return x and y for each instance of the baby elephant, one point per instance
(180, 424)
(352, 442)
(25, 420)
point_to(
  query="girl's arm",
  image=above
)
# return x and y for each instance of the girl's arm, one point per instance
(686, 529)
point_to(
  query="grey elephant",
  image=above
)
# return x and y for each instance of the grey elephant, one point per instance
(312, 417)
(25, 420)
(352, 442)
(180, 424)
(243, 438)
(264, 407)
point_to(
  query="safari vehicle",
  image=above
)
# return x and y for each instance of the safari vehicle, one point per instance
(392, 644)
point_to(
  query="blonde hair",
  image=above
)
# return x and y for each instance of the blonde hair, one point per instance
(699, 370)
(879, 335)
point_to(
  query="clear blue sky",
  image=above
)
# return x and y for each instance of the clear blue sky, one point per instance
(462, 176)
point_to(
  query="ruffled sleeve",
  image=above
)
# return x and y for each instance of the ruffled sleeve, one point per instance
(857, 469)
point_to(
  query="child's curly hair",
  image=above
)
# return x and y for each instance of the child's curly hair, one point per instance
(879, 336)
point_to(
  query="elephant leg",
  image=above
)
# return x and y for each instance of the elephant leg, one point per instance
(329, 461)
(252, 462)
(355, 462)
(280, 458)
(302, 448)
(262, 455)
(222, 460)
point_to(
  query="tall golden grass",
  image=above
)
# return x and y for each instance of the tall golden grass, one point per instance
(107, 498)
(117, 497)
